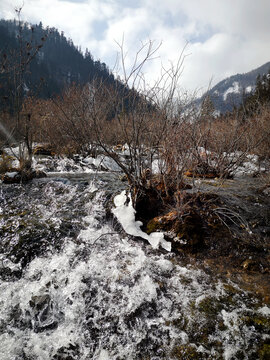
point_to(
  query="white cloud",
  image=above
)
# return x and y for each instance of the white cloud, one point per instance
(226, 36)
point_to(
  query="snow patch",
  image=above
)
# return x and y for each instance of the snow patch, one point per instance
(12, 174)
(235, 88)
(101, 161)
(248, 89)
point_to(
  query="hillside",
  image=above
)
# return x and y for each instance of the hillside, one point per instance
(58, 62)
(229, 92)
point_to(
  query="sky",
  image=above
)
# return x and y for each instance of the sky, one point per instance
(218, 38)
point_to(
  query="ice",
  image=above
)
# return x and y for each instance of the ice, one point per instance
(125, 214)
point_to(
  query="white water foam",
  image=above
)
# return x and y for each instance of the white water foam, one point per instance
(106, 297)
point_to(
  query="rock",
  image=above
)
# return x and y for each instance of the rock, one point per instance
(70, 352)
(43, 150)
(11, 177)
(40, 301)
(43, 313)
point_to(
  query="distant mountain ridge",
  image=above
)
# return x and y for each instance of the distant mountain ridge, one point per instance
(229, 92)
(57, 64)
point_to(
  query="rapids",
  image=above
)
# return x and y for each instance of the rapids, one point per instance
(71, 287)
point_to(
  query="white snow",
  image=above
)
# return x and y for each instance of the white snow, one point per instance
(11, 175)
(248, 89)
(233, 89)
(156, 166)
(248, 167)
(125, 214)
(103, 161)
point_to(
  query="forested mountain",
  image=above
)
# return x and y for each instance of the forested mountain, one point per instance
(231, 92)
(55, 61)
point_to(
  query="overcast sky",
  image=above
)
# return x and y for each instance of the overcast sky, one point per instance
(224, 37)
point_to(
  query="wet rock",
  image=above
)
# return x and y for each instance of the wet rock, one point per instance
(40, 301)
(43, 313)
(70, 352)
(9, 270)
(32, 243)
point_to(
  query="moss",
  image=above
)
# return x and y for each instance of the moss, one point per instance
(230, 289)
(221, 325)
(264, 352)
(185, 280)
(165, 222)
(259, 322)
(186, 352)
(181, 323)
(153, 225)
(210, 306)
(216, 183)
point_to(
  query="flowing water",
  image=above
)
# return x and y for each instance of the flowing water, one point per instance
(72, 288)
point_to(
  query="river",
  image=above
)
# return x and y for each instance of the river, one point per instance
(72, 287)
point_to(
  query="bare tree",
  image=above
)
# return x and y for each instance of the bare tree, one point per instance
(14, 67)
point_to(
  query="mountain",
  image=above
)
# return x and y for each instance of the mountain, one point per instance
(229, 93)
(56, 62)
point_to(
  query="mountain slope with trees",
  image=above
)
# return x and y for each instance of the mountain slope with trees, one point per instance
(57, 64)
(230, 92)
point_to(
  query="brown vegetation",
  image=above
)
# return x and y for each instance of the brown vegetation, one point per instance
(166, 139)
